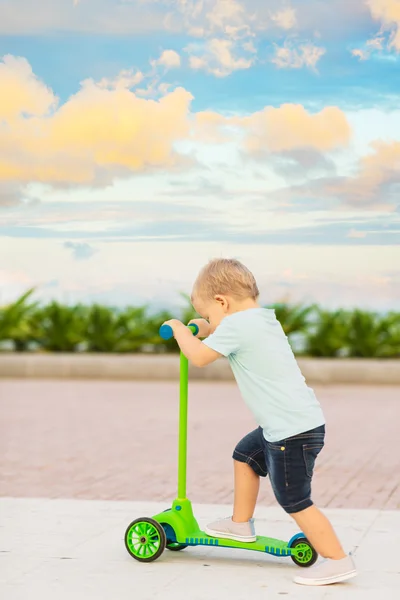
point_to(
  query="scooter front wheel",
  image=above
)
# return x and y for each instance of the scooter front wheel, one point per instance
(145, 539)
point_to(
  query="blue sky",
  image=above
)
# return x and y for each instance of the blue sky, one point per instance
(139, 138)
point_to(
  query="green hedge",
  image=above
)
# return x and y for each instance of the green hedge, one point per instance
(313, 331)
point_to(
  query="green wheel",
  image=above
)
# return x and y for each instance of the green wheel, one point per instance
(306, 555)
(145, 539)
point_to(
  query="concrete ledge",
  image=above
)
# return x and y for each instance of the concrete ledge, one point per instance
(166, 367)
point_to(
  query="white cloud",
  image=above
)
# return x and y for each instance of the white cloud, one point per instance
(374, 44)
(80, 250)
(227, 28)
(218, 57)
(285, 18)
(169, 59)
(89, 16)
(291, 57)
(126, 79)
(249, 47)
(360, 280)
(225, 14)
(164, 88)
(354, 233)
(198, 18)
(208, 18)
(361, 54)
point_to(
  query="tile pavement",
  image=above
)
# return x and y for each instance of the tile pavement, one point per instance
(117, 441)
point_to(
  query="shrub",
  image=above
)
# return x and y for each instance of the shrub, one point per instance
(312, 330)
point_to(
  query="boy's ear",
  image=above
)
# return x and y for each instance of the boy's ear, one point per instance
(222, 300)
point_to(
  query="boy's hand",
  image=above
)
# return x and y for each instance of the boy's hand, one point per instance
(173, 323)
(204, 327)
(194, 350)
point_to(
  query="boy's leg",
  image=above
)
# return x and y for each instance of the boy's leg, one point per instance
(290, 464)
(249, 466)
(319, 531)
(247, 485)
(338, 566)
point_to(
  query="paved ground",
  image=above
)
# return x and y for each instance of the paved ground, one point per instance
(117, 441)
(63, 549)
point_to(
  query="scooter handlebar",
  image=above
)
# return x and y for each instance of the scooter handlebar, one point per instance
(167, 333)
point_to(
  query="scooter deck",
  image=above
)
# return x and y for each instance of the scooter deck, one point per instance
(262, 543)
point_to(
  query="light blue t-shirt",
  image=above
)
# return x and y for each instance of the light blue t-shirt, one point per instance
(266, 371)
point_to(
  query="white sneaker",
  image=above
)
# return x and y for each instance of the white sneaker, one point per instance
(328, 571)
(228, 529)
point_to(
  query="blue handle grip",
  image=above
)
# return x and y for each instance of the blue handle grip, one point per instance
(166, 331)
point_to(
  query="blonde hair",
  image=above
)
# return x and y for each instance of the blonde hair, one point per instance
(228, 277)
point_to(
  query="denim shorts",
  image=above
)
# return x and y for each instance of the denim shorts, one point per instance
(289, 464)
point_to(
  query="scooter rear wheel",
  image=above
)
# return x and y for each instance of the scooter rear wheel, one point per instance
(306, 555)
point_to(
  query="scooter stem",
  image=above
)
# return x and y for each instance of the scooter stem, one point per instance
(183, 420)
(167, 333)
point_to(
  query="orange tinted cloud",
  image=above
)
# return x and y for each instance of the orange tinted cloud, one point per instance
(107, 130)
(21, 91)
(373, 184)
(97, 132)
(388, 12)
(375, 170)
(289, 127)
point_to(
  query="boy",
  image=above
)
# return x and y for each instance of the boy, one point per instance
(291, 423)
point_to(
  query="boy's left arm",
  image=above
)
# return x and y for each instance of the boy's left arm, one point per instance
(198, 353)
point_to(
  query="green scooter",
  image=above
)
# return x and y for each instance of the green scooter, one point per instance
(176, 528)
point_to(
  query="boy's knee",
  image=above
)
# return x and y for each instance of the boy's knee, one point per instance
(250, 451)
